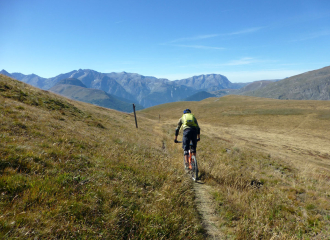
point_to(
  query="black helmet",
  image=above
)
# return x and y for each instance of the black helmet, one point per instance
(186, 111)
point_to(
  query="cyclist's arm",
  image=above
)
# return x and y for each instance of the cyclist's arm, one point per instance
(178, 129)
(198, 130)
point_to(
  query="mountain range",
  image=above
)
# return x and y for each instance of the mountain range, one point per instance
(145, 90)
(74, 89)
(119, 89)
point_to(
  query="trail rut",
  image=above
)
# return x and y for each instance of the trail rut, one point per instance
(207, 210)
(204, 202)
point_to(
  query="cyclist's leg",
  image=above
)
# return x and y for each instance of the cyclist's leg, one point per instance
(185, 145)
(186, 160)
(194, 141)
(193, 150)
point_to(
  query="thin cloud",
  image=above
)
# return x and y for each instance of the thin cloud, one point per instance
(242, 61)
(195, 38)
(245, 31)
(235, 63)
(198, 47)
(207, 36)
(313, 36)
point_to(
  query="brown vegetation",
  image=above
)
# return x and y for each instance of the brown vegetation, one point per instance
(73, 170)
(268, 161)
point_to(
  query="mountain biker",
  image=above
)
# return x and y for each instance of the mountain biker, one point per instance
(191, 132)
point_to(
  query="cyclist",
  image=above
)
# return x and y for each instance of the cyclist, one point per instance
(191, 132)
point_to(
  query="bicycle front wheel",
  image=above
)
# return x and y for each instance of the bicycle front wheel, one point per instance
(194, 172)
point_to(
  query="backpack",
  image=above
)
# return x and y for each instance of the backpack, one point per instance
(189, 120)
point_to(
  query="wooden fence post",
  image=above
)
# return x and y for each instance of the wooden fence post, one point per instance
(135, 116)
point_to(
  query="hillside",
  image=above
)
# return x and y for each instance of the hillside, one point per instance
(313, 85)
(76, 90)
(86, 172)
(254, 86)
(73, 170)
(224, 92)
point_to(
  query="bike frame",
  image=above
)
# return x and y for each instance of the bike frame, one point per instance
(193, 167)
(189, 160)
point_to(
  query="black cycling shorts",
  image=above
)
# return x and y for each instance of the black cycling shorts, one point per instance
(189, 134)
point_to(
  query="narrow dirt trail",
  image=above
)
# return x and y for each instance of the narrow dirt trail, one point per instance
(203, 200)
(207, 210)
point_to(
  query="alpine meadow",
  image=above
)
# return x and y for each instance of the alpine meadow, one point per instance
(72, 170)
(102, 104)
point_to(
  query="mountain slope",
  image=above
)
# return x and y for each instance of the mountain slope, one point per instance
(256, 85)
(32, 79)
(72, 81)
(150, 91)
(79, 92)
(313, 85)
(209, 82)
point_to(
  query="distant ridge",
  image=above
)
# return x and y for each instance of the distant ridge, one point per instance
(312, 85)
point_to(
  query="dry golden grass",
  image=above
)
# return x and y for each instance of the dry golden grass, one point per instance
(74, 170)
(268, 161)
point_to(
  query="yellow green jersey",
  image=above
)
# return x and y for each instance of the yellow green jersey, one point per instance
(187, 120)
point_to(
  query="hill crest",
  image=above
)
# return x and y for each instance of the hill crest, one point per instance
(312, 85)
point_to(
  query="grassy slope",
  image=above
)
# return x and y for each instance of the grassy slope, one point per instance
(254, 86)
(73, 170)
(70, 169)
(260, 196)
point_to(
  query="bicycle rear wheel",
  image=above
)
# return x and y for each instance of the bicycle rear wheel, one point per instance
(194, 171)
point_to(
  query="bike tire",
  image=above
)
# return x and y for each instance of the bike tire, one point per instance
(194, 172)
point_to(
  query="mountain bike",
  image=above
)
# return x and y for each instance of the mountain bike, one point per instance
(192, 161)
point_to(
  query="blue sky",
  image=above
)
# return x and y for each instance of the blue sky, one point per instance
(243, 40)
